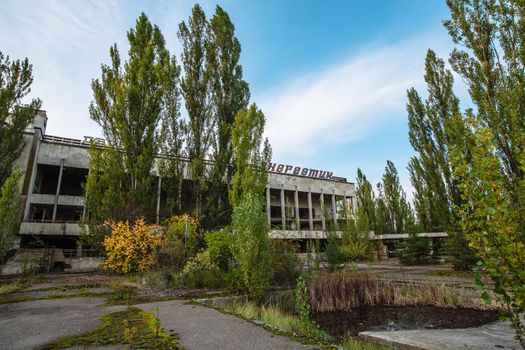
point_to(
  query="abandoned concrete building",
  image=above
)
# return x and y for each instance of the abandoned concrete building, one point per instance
(56, 167)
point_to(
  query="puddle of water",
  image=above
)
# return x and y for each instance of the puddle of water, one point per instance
(394, 318)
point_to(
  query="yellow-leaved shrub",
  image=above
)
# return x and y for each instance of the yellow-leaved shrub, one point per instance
(130, 247)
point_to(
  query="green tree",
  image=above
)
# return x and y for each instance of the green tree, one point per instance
(490, 57)
(394, 198)
(416, 250)
(365, 198)
(129, 102)
(229, 95)
(171, 140)
(9, 211)
(435, 127)
(356, 244)
(251, 250)
(252, 254)
(384, 223)
(195, 85)
(16, 78)
(250, 155)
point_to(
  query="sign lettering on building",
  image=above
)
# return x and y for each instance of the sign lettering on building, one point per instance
(295, 170)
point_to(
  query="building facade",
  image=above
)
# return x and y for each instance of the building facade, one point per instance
(300, 204)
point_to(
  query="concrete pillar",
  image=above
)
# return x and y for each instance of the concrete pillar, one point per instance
(268, 207)
(334, 209)
(323, 219)
(58, 189)
(297, 219)
(283, 210)
(345, 205)
(79, 249)
(159, 190)
(310, 216)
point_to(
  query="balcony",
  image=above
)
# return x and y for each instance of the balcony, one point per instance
(50, 228)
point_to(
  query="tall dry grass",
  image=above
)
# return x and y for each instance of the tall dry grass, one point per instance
(341, 291)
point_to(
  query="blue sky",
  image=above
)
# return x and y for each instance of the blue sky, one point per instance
(331, 76)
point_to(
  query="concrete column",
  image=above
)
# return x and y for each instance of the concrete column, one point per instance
(58, 189)
(79, 249)
(334, 209)
(310, 217)
(354, 204)
(323, 219)
(283, 210)
(297, 219)
(345, 205)
(268, 207)
(159, 190)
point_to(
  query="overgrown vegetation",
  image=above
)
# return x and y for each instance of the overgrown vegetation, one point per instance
(274, 316)
(343, 291)
(130, 248)
(9, 212)
(134, 328)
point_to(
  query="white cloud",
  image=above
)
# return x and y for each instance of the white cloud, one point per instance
(344, 102)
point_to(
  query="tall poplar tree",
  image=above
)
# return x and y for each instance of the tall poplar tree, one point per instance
(365, 198)
(398, 209)
(490, 58)
(196, 83)
(435, 127)
(129, 101)
(229, 95)
(16, 78)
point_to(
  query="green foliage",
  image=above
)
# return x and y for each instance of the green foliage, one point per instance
(249, 159)
(133, 327)
(274, 316)
(229, 95)
(218, 244)
(416, 250)
(302, 308)
(365, 198)
(334, 254)
(9, 212)
(129, 102)
(195, 86)
(252, 255)
(393, 195)
(200, 271)
(181, 241)
(16, 78)
(356, 244)
(436, 127)
(286, 263)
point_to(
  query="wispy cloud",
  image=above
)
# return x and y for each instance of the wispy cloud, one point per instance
(344, 102)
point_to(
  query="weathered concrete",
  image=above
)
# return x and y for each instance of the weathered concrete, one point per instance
(29, 325)
(202, 328)
(497, 335)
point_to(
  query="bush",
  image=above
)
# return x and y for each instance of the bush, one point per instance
(218, 244)
(9, 212)
(201, 272)
(416, 250)
(161, 279)
(181, 242)
(334, 254)
(286, 263)
(252, 256)
(130, 248)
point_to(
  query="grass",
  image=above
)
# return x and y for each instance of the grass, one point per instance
(5, 300)
(342, 291)
(11, 286)
(355, 344)
(451, 273)
(275, 317)
(287, 323)
(132, 327)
